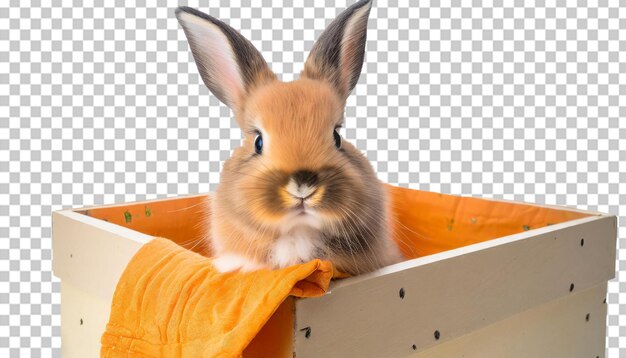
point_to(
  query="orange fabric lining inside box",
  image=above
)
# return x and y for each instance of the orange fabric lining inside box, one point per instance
(424, 222)
(163, 283)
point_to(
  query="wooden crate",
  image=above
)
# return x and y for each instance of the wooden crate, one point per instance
(539, 292)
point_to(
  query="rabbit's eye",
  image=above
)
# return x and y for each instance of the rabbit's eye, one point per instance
(258, 144)
(337, 138)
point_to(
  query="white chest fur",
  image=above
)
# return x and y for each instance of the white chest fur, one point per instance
(299, 241)
(298, 244)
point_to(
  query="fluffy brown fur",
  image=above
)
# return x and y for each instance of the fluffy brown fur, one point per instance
(253, 206)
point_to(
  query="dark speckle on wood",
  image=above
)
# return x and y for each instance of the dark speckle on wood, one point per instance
(81, 321)
(587, 317)
(402, 293)
(414, 347)
(571, 287)
(307, 332)
(437, 335)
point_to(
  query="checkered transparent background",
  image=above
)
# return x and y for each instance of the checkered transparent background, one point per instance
(98, 105)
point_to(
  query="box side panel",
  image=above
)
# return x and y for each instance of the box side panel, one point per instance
(574, 326)
(91, 254)
(456, 294)
(83, 319)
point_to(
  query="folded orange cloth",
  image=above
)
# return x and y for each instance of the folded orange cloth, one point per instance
(171, 302)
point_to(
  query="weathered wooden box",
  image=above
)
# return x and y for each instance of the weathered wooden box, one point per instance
(490, 279)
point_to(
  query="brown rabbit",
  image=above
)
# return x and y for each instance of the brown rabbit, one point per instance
(295, 190)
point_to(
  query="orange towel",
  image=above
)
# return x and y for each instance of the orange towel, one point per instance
(170, 302)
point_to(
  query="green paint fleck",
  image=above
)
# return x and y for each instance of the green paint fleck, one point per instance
(450, 223)
(127, 216)
(473, 220)
(526, 227)
(148, 211)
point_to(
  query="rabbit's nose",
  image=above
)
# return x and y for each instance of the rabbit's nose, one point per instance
(301, 192)
(302, 185)
(305, 178)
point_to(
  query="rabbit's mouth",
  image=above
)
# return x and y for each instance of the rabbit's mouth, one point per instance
(300, 217)
(303, 203)
(300, 209)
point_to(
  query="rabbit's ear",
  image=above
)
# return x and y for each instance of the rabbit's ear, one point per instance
(337, 56)
(229, 64)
